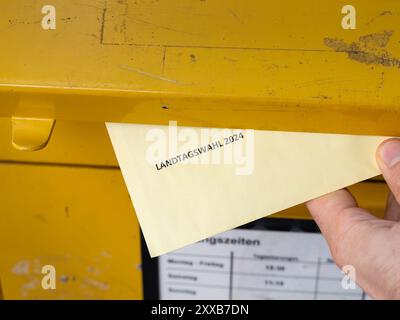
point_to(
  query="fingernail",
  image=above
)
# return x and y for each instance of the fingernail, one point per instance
(389, 152)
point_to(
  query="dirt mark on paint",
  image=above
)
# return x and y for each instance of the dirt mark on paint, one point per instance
(369, 49)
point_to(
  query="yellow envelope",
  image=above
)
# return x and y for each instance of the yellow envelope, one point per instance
(188, 184)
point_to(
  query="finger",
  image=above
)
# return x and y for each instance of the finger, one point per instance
(359, 239)
(337, 214)
(388, 159)
(392, 211)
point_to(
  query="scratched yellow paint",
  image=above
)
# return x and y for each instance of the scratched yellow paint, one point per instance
(255, 64)
(80, 220)
(258, 64)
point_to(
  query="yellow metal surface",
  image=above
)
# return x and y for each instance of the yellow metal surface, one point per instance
(72, 143)
(31, 134)
(80, 220)
(279, 65)
(285, 65)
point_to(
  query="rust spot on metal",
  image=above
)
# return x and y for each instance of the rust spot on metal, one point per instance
(369, 49)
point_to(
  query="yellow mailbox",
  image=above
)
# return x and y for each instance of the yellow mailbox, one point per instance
(67, 67)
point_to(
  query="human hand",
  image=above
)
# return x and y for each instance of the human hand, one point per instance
(357, 238)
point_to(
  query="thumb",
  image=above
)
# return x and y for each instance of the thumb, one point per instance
(388, 158)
